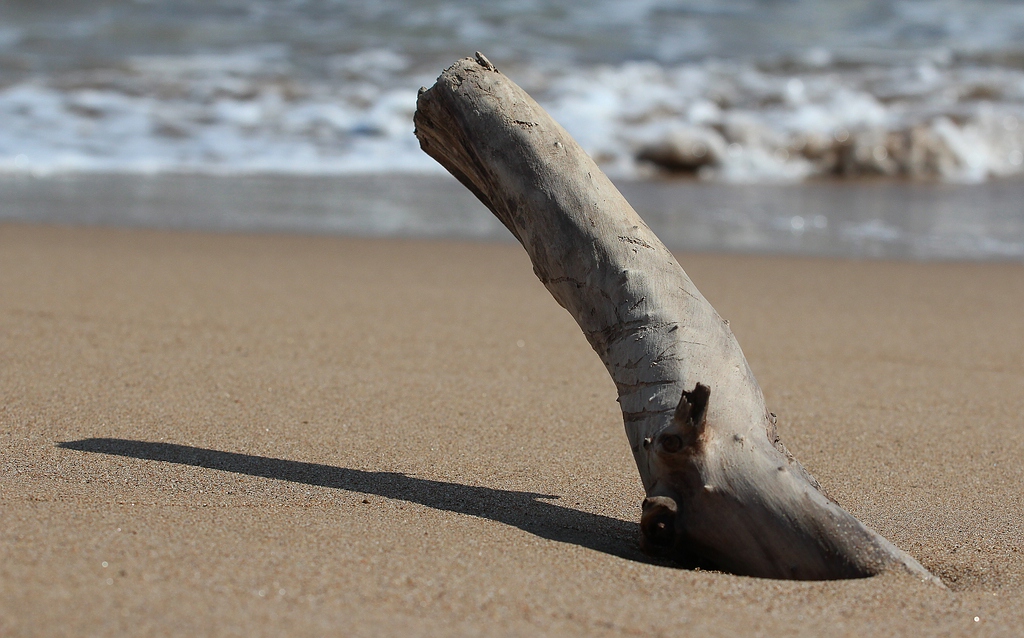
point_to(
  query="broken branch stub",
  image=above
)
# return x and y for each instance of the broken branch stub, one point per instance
(722, 490)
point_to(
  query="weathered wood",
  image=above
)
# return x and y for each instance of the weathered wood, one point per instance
(722, 490)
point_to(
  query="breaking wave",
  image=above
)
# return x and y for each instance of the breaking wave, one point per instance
(648, 89)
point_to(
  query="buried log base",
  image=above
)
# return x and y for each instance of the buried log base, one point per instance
(663, 536)
(659, 538)
(739, 504)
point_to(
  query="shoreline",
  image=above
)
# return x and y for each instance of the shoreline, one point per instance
(862, 219)
(196, 422)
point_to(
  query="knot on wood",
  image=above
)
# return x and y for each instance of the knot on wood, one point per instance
(688, 422)
(693, 406)
(658, 524)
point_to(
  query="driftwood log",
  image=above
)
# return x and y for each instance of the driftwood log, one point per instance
(722, 490)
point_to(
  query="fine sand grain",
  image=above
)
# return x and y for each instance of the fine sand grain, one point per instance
(286, 435)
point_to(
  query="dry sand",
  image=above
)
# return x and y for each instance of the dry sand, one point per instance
(286, 435)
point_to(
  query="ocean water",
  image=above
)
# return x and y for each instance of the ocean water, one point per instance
(729, 90)
(770, 95)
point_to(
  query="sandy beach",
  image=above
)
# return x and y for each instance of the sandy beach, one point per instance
(232, 434)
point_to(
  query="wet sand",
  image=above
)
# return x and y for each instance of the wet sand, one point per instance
(892, 219)
(292, 435)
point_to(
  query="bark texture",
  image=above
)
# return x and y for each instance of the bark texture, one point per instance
(722, 490)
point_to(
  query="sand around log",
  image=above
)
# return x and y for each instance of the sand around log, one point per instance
(211, 433)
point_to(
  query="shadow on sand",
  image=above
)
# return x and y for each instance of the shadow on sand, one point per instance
(527, 511)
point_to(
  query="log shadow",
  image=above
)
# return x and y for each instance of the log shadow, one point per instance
(528, 511)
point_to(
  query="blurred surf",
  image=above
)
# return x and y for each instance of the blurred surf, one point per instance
(739, 91)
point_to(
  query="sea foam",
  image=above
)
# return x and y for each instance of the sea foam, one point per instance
(729, 92)
(718, 120)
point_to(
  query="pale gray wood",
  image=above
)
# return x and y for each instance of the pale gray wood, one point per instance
(722, 490)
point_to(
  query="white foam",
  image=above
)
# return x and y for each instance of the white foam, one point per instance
(781, 126)
(730, 121)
